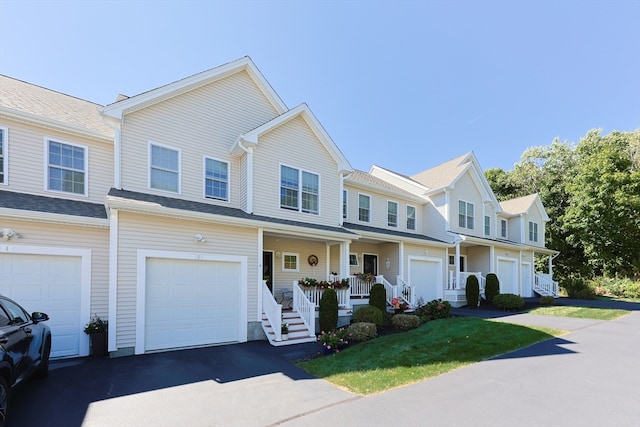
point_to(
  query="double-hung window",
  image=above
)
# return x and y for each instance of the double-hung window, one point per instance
(392, 214)
(487, 225)
(344, 204)
(503, 228)
(164, 168)
(216, 179)
(411, 217)
(465, 215)
(299, 190)
(364, 208)
(66, 168)
(3, 155)
(533, 231)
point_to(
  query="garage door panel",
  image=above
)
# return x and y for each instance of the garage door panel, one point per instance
(425, 277)
(191, 302)
(51, 284)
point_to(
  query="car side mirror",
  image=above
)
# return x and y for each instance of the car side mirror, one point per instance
(38, 316)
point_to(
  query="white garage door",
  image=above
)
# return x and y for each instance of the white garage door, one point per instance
(508, 277)
(426, 277)
(51, 284)
(190, 303)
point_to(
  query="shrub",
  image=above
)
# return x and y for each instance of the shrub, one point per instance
(492, 287)
(404, 322)
(547, 300)
(328, 310)
(623, 288)
(369, 314)
(363, 331)
(472, 291)
(436, 309)
(378, 296)
(574, 285)
(508, 301)
(586, 293)
(335, 340)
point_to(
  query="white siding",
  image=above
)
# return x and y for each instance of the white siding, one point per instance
(159, 233)
(467, 191)
(203, 122)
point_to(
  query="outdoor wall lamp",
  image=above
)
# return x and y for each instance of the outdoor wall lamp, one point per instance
(8, 234)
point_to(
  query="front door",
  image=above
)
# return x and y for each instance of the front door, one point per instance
(267, 269)
(370, 264)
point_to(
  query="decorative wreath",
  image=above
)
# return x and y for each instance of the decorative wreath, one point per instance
(313, 260)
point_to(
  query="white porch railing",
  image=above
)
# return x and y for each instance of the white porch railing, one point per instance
(360, 288)
(305, 308)
(406, 292)
(314, 295)
(451, 284)
(391, 290)
(545, 285)
(272, 310)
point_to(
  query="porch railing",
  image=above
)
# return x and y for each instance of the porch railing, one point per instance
(406, 292)
(545, 285)
(390, 290)
(360, 288)
(314, 295)
(451, 284)
(305, 308)
(272, 310)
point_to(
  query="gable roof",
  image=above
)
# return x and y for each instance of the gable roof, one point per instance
(252, 137)
(372, 182)
(51, 205)
(126, 105)
(522, 205)
(35, 105)
(444, 174)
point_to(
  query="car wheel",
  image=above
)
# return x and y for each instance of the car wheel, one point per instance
(4, 401)
(43, 369)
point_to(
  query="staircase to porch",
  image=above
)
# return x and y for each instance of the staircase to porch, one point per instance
(545, 286)
(298, 331)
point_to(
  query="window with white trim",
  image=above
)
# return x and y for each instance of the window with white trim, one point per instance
(3, 155)
(66, 168)
(411, 217)
(353, 260)
(487, 225)
(290, 261)
(216, 179)
(299, 190)
(392, 214)
(364, 208)
(164, 168)
(465, 215)
(533, 231)
(344, 204)
(503, 228)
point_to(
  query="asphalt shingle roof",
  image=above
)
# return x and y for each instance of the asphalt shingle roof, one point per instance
(360, 227)
(54, 205)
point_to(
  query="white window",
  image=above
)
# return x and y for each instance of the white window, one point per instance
(533, 231)
(487, 225)
(164, 168)
(344, 203)
(299, 190)
(465, 215)
(411, 217)
(353, 260)
(503, 228)
(3, 155)
(216, 179)
(289, 261)
(364, 208)
(392, 214)
(66, 167)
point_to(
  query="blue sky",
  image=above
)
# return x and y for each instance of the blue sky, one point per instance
(405, 85)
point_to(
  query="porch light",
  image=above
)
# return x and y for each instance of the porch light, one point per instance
(387, 263)
(8, 234)
(198, 238)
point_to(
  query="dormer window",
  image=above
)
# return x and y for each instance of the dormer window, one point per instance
(465, 215)
(533, 231)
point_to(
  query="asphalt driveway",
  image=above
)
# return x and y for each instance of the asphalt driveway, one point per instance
(588, 377)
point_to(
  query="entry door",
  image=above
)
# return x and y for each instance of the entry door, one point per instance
(267, 269)
(370, 264)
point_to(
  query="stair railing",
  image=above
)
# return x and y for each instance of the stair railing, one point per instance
(305, 308)
(272, 310)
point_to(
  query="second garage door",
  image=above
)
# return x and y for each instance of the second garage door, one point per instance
(191, 303)
(425, 276)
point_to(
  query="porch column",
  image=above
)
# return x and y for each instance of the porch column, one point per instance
(401, 261)
(550, 267)
(457, 264)
(344, 260)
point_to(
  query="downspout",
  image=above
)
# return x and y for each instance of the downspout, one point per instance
(249, 152)
(117, 152)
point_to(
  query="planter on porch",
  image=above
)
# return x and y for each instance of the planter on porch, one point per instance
(98, 344)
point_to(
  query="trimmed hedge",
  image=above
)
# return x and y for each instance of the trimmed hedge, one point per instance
(492, 287)
(362, 331)
(404, 322)
(378, 296)
(472, 291)
(508, 301)
(328, 310)
(369, 314)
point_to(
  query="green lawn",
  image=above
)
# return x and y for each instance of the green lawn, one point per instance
(434, 348)
(580, 312)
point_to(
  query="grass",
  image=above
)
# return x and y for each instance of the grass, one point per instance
(580, 312)
(605, 298)
(434, 348)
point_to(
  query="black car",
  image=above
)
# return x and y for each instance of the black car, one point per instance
(25, 345)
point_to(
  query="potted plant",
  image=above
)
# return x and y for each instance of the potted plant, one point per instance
(285, 331)
(97, 331)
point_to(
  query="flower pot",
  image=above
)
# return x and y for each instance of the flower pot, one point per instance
(98, 344)
(285, 337)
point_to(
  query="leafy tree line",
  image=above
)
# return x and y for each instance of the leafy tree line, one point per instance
(591, 191)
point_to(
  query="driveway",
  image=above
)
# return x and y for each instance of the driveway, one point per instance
(588, 377)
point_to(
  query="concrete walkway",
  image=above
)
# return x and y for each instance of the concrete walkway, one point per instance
(588, 377)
